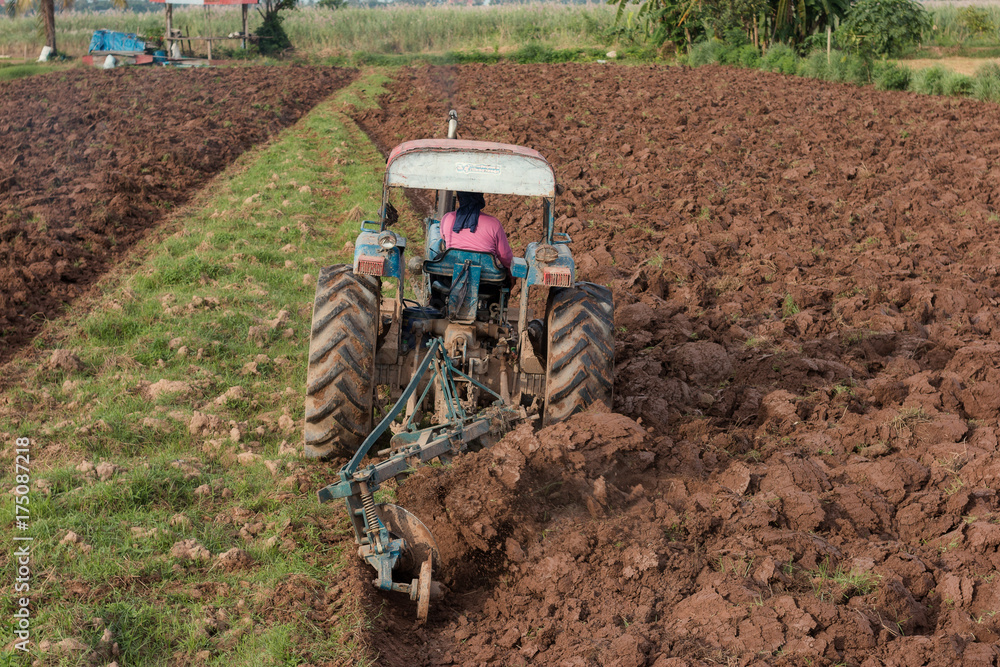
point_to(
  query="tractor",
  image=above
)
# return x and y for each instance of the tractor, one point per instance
(461, 362)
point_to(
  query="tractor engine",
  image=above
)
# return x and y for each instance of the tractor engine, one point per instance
(480, 350)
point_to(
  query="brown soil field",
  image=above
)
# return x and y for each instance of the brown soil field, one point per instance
(799, 463)
(91, 159)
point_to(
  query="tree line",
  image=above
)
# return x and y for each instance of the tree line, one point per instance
(869, 27)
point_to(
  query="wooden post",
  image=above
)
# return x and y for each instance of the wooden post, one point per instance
(246, 24)
(209, 40)
(170, 27)
(828, 40)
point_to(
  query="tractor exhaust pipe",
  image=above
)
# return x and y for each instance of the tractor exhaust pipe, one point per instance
(445, 196)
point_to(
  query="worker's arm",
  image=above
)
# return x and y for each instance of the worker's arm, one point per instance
(504, 252)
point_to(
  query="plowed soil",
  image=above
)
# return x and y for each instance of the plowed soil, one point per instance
(799, 463)
(90, 159)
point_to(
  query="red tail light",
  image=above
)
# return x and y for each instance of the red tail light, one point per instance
(371, 266)
(557, 277)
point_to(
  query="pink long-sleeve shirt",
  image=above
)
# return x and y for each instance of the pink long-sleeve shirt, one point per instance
(488, 237)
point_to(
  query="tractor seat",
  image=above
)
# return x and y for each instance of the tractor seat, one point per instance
(493, 271)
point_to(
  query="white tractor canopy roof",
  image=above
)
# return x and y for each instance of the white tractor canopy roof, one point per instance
(470, 166)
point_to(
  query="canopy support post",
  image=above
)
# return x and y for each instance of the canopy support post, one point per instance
(245, 9)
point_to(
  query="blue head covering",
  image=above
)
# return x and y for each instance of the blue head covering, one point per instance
(467, 215)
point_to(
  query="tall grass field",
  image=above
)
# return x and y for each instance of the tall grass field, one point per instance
(967, 25)
(383, 30)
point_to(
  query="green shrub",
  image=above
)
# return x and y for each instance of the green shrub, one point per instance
(815, 65)
(854, 69)
(272, 36)
(841, 67)
(779, 58)
(748, 56)
(706, 53)
(891, 76)
(534, 52)
(959, 85)
(639, 52)
(463, 57)
(836, 70)
(929, 81)
(736, 37)
(728, 54)
(986, 83)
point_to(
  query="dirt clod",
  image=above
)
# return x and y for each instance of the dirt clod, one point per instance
(65, 360)
(234, 559)
(189, 550)
(161, 387)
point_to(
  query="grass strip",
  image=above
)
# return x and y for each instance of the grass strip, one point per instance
(168, 432)
(10, 71)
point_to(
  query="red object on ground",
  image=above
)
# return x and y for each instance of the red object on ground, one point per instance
(123, 59)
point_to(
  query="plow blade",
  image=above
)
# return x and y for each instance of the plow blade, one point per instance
(392, 540)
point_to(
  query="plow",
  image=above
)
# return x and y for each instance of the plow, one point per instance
(462, 363)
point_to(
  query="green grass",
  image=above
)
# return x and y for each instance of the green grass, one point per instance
(10, 71)
(788, 307)
(847, 583)
(231, 261)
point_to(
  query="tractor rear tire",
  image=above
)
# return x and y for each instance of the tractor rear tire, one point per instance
(581, 350)
(341, 373)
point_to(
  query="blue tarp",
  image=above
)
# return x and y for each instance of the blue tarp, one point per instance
(109, 40)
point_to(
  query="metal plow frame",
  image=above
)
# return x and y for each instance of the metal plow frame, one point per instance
(383, 545)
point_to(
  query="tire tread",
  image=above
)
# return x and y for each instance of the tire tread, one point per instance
(340, 376)
(580, 369)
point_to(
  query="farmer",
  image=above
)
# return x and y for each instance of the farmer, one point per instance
(469, 228)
